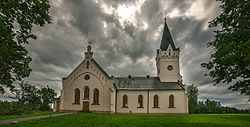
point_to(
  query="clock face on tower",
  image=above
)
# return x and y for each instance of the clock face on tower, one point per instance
(170, 67)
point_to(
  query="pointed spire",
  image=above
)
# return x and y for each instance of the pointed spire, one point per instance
(166, 38)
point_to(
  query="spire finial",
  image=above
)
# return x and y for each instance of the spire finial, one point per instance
(89, 42)
(89, 47)
(165, 20)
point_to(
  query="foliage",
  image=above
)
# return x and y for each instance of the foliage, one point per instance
(47, 96)
(141, 120)
(34, 98)
(192, 92)
(208, 106)
(10, 108)
(28, 95)
(17, 17)
(211, 107)
(230, 63)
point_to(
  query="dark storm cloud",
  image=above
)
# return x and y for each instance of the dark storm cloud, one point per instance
(126, 48)
(89, 18)
(127, 40)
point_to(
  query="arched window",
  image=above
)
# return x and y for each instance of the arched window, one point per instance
(96, 97)
(171, 101)
(156, 101)
(140, 101)
(87, 65)
(77, 96)
(86, 92)
(125, 101)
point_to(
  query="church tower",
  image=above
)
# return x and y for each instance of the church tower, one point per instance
(167, 58)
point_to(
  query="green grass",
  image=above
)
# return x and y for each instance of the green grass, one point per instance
(32, 113)
(109, 120)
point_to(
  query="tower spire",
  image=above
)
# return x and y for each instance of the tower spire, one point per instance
(166, 38)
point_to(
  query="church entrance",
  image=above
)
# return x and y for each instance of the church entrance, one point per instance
(85, 106)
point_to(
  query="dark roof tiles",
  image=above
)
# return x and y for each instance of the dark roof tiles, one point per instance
(167, 39)
(145, 83)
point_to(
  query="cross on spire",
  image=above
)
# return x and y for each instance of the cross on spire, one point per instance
(89, 42)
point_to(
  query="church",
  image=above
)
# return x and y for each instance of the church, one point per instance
(89, 88)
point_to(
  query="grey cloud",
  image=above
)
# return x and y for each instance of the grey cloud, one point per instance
(151, 10)
(181, 5)
(114, 3)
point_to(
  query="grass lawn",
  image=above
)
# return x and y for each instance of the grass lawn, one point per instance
(114, 120)
(33, 113)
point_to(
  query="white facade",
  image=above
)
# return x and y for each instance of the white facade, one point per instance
(90, 88)
(180, 105)
(97, 79)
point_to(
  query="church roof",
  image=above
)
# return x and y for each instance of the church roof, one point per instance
(145, 83)
(100, 68)
(167, 39)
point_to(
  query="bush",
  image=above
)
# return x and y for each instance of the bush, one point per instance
(13, 108)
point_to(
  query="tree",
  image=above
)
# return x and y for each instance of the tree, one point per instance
(192, 92)
(47, 96)
(17, 17)
(213, 106)
(34, 98)
(28, 95)
(230, 62)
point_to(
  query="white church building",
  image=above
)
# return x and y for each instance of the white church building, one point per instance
(89, 88)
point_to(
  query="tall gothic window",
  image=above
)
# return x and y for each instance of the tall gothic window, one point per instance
(171, 101)
(156, 101)
(96, 96)
(86, 92)
(125, 101)
(140, 101)
(77, 96)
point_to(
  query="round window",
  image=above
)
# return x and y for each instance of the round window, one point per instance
(170, 67)
(86, 77)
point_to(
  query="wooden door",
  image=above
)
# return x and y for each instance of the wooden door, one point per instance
(85, 106)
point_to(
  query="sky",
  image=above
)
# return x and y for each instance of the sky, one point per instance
(125, 36)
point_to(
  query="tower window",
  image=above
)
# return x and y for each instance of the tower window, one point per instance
(87, 65)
